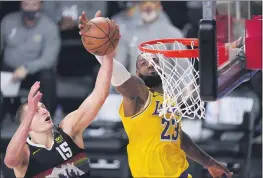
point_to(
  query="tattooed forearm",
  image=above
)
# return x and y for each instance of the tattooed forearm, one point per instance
(193, 151)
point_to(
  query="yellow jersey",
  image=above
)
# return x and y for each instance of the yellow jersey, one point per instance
(154, 142)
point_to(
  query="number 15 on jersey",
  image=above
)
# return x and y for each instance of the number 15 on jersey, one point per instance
(64, 151)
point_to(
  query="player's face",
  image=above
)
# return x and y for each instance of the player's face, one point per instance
(149, 10)
(42, 121)
(147, 72)
(30, 10)
(145, 67)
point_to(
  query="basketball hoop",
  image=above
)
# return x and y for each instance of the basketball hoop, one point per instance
(179, 77)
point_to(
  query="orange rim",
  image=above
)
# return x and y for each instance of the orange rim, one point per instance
(185, 53)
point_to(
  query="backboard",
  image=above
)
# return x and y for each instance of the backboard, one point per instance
(230, 46)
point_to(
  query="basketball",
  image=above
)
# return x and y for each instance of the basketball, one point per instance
(100, 36)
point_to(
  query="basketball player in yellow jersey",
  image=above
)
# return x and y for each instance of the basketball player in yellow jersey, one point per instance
(157, 148)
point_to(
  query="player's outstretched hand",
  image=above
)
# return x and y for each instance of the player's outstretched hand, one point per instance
(218, 170)
(34, 97)
(83, 19)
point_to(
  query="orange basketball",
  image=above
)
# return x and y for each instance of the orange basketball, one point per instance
(100, 36)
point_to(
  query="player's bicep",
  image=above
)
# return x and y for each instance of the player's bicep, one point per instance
(133, 88)
(68, 123)
(77, 121)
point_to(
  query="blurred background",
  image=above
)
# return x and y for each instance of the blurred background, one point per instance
(52, 53)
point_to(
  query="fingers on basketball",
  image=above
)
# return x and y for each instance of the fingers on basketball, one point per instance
(83, 18)
(100, 35)
(82, 21)
(98, 13)
(118, 28)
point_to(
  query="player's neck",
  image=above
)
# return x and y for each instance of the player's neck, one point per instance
(45, 139)
(158, 88)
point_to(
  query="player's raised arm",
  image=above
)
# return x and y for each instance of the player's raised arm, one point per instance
(77, 121)
(192, 151)
(129, 86)
(17, 151)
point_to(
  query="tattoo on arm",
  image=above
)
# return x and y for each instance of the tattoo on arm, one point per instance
(193, 151)
(133, 88)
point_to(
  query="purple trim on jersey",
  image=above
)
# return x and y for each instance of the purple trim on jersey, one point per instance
(184, 174)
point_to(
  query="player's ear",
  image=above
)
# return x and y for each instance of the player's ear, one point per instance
(137, 73)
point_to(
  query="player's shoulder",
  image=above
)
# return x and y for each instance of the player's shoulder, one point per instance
(155, 94)
(11, 17)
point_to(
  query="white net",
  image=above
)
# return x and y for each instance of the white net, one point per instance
(181, 97)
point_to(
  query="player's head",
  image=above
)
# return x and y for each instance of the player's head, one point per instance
(150, 10)
(41, 122)
(146, 71)
(30, 9)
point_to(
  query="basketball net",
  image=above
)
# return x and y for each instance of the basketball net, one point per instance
(181, 97)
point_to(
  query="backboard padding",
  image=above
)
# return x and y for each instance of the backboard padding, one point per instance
(229, 33)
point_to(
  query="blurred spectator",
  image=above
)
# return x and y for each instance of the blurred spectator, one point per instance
(129, 17)
(31, 44)
(66, 13)
(151, 27)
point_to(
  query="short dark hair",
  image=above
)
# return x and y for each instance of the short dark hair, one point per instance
(20, 110)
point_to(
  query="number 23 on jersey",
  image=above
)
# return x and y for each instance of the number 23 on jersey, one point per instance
(167, 134)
